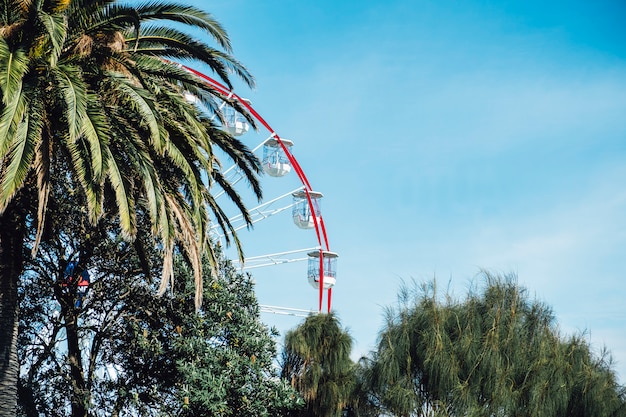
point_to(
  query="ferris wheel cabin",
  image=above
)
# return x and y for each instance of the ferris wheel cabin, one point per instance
(234, 122)
(275, 161)
(303, 216)
(329, 266)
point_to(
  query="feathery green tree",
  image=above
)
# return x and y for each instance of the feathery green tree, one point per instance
(316, 359)
(497, 353)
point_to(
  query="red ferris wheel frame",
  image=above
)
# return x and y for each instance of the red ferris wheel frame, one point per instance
(318, 221)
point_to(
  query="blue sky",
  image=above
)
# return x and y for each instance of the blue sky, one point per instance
(447, 137)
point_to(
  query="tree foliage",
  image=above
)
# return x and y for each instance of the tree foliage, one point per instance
(141, 354)
(87, 89)
(90, 97)
(496, 353)
(316, 359)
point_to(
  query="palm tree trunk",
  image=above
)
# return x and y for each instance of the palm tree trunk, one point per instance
(11, 263)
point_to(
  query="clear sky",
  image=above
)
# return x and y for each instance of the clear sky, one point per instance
(447, 137)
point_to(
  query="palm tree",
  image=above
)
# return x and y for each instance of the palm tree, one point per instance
(316, 360)
(89, 96)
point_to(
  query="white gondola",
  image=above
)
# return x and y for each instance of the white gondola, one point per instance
(303, 216)
(329, 264)
(234, 122)
(275, 161)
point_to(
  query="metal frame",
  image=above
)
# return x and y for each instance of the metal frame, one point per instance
(320, 228)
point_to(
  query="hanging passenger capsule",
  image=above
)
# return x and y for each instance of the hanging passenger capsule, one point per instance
(303, 215)
(275, 161)
(329, 265)
(234, 122)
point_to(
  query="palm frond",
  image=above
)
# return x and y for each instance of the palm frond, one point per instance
(186, 82)
(99, 17)
(42, 169)
(82, 173)
(10, 119)
(138, 154)
(190, 241)
(189, 16)
(19, 159)
(13, 67)
(167, 270)
(173, 43)
(95, 131)
(136, 99)
(229, 232)
(192, 177)
(233, 195)
(123, 197)
(56, 26)
(74, 95)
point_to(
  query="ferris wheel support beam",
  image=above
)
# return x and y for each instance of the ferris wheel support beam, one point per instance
(260, 212)
(285, 311)
(273, 259)
(320, 228)
(321, 278)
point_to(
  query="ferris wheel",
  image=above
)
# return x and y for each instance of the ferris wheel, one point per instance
(278, 161)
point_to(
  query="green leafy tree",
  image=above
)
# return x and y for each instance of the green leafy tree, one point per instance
(137, 353)
(495, 353)
(60, 342)
(88, 99)
(316, 360)
(226, 357)
(360, 403)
